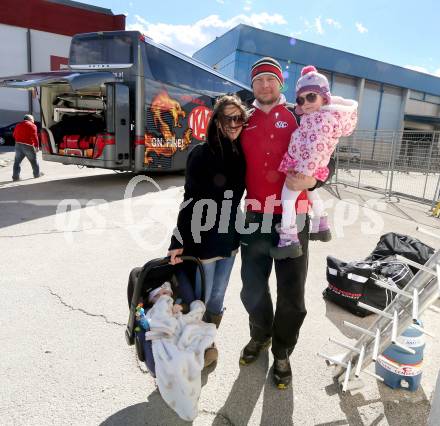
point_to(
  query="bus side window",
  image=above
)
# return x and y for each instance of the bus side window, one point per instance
(172, 70)
(167, 68)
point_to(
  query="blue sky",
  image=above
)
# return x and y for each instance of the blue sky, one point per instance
(405, 33)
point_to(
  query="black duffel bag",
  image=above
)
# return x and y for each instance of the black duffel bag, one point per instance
(353, 282)
(404, 245)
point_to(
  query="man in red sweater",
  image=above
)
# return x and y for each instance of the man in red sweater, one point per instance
(26, 145)
(264, 142)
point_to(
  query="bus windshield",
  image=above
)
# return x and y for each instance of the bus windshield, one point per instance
(101, 49)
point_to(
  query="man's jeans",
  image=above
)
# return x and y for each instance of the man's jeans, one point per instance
(284, 324)
(21, 151)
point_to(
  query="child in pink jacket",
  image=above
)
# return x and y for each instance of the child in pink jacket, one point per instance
(324, 120)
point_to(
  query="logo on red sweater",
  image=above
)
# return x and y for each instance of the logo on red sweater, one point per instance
(281, 124)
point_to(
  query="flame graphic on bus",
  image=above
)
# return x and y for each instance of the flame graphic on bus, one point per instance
(167, 143)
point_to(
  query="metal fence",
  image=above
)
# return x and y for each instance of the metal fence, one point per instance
(404, 163)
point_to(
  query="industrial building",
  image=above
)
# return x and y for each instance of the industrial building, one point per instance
(35, 37)
(390, 97)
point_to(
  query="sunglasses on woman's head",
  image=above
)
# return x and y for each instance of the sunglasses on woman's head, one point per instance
(310, 97)
(229, 119)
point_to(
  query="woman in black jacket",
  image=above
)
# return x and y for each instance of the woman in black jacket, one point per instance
(214, 186)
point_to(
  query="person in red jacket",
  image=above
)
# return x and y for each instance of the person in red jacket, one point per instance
(26, 145)
(264, 140)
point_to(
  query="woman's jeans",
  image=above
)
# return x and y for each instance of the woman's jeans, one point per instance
(21, 151)
(217, 276)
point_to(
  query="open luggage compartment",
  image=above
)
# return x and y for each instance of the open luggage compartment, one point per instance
(75, 122)
(80, 117)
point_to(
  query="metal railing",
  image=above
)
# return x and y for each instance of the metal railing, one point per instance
(396, 163)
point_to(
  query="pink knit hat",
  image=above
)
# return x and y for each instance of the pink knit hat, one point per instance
(312, 81)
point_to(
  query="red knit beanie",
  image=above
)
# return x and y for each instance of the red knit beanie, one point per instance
(267, 66)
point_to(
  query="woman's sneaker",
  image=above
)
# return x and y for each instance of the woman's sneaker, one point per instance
(251, 351)
(320, 230)
(282, 373)
(288, 245)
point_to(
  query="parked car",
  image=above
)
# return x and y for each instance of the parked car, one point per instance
(6, 133)
(6, 137)
(348, 153)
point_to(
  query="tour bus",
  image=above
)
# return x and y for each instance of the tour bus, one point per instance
(126, 103)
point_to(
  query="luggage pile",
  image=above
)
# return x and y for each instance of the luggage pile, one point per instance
(81, 136)
(353, 282)
(75, 145)
(85, 146)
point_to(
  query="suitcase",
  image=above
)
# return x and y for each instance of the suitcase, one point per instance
(74, 152)
(71, 141)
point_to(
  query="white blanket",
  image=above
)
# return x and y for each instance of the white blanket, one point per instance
(179, 343)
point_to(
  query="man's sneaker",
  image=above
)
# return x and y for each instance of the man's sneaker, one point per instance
(282, 373)
(251, 351)
(40, 175)
(15, 179)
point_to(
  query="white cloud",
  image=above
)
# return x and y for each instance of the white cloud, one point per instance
(306, 23)
(416, 68)
(308, 26)
(220, 1)
(318, 25)
(361, 28)
(190, 37)
(423, 69)
(248, 5)
(331, 22)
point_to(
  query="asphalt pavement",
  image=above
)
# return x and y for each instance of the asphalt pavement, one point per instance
(68, 241)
